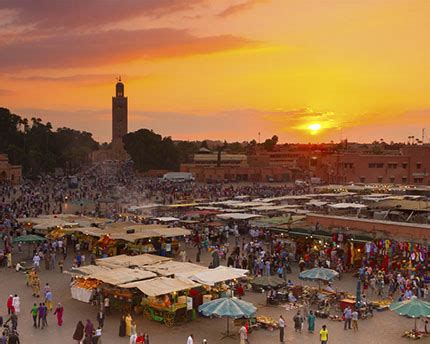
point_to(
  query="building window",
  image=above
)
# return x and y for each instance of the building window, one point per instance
(418, 165)
(392, 166)
(418, 180)
(379, 179)
(348, 165)
(376, 165)
(405, 165)
(404, 180)
(392, 179)
(362, 179)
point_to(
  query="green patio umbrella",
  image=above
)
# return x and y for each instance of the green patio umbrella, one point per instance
(229, 307)
(28, 239)
(413, 308)
(268, 281)
(318, 274)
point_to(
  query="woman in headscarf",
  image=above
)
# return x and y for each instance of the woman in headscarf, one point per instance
(79, 332)
(9, 304)
(59, 313)
(128, 320)
(89, 329)
(122, 326)
(243, 335)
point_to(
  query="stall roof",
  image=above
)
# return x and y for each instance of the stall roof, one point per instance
(162, 285)
(273, 207)
(150, 233)
(145, 206)
(166, 219)
(219, 274)
(347, 206)
(402, 204)
(118, 276)
(237, 216)
(182, 205)
(126, 261)
(88, 270)
(92, 231)
(315, 203)
(181, 269)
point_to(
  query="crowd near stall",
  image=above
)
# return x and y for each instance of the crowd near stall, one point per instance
(134, 260)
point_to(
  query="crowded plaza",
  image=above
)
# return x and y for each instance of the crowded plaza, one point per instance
(108, 257)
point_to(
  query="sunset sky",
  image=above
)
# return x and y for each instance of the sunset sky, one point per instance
(222, 69)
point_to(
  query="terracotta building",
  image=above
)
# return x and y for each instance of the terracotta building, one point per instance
(410, 166)
(8, 172)
(218, 167)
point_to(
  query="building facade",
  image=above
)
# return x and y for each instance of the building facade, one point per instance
(8, 172)
(410, 166)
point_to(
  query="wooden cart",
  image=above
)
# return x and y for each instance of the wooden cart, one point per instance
(167, 315)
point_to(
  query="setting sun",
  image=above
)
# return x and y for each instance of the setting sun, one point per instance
(314, 127)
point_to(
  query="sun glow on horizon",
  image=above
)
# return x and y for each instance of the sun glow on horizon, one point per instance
(314, 128)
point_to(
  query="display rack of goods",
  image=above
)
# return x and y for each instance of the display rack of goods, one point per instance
(267, 322)
(86, 283)
(413, 335)
(382, 305)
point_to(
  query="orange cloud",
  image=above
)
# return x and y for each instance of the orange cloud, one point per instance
(238, 8)
(46, 14)
(111, 47)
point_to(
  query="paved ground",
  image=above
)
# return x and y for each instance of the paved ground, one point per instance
(385, 327)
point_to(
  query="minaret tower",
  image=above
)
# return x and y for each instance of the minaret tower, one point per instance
(119, 118)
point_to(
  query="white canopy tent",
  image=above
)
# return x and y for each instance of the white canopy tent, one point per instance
(162, 285)
(127, 261)
(219, 274)
(237, 216)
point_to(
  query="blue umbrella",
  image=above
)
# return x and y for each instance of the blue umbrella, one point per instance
(228, 307)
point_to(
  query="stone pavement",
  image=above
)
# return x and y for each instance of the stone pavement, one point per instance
(383, 328)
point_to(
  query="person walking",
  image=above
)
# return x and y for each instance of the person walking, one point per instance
(298, 322)
(13, 338)
(190, 339)
(45, 315)
(354, 318)
(128, 320)
(9, 304)
(78, 335)
(347, 316)
(14, 320)
(34, 315)
(59, 313)
(243, 335)
(48, 299)
(281, 323)
(40, 311)
(101, 319)
(16, 303)
(311, 322)
(324, 334)
(89, 328)
(133, 334)
(122, 326)
(106, 304)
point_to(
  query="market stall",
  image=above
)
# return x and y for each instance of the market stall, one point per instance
(166, 299)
